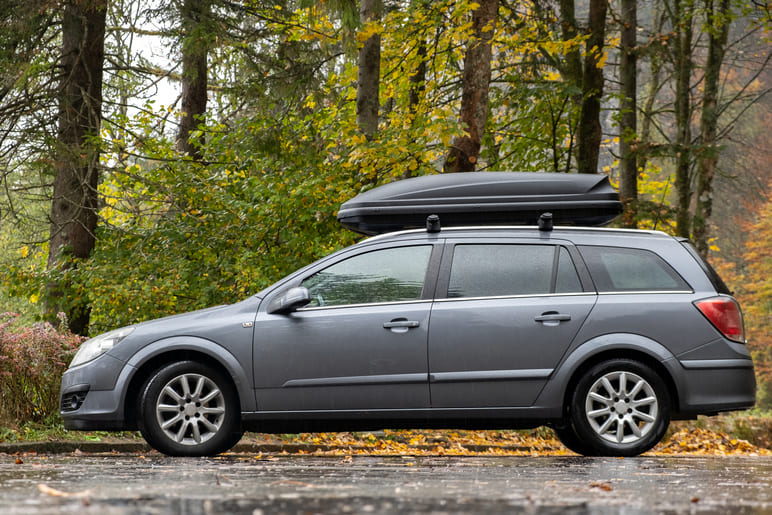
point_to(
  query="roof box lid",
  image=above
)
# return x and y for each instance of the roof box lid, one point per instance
(483, 198)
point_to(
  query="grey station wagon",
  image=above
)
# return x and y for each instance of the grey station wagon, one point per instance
(603, 334)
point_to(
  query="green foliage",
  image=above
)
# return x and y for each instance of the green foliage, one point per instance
(32, 359)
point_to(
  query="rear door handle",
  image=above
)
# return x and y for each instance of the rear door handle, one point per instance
(553, 317)
(396, 324)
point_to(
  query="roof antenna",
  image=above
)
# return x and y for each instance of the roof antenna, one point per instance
(433, 223)
(545, 222)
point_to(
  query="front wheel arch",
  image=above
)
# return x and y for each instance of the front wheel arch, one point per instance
(150, 367)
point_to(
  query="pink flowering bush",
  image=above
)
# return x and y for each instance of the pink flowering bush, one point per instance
(32, 360)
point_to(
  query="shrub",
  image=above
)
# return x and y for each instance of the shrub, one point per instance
(32, 360)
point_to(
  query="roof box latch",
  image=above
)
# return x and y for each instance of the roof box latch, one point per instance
(433, 223)
(545, 222)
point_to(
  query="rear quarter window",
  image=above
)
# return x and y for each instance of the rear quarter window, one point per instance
(715, 279)
(616, 269)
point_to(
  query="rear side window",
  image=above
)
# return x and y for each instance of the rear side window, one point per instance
(502, 270)
(616, 269)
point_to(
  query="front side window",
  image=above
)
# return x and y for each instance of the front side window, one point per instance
(504, 270)
(388, 275)
(616, 269)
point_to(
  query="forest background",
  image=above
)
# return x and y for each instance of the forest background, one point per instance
(160, 156)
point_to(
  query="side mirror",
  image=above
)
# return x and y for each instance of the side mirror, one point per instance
(289, 301)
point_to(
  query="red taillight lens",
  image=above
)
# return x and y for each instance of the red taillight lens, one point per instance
(725, 314)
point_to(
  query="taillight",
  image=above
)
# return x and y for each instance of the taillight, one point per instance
(724, 313)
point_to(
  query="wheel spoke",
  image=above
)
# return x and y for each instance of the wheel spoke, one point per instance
(646, 401)
(196, 431)
(169, 408)
(603, 428)
(185, 385)
(199, 387)
(214, 410)
(599, 412)
(643, 416)
(209, 425)
(180, 434)
(634, 427)
(211, 395)
(607, 385)
(599, 398)
(171, 392)
(620, 431)
(172, 421)
(637, 388)
(622, 384)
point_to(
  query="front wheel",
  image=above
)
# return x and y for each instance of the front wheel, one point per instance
(620, 407)
(189, 409)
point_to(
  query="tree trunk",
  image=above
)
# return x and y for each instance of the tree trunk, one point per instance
(195, 48)
(572, 68)
(590, 130)
(718, 22)
(74, 203)
(628, 126)
(465, 149)
(369, 72)
(683, 28)
(417, 90)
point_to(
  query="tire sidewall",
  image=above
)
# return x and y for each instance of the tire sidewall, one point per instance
(594, 443)
(229, 432)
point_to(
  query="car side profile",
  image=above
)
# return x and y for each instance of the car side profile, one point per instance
(606, 335)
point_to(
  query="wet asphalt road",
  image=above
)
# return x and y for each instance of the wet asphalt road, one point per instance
(245, 484)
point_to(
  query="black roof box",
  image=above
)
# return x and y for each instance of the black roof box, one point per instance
(483, 198)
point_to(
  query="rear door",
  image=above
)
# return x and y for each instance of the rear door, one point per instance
(504, 315)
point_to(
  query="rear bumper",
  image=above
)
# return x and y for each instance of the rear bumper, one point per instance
(712, 386)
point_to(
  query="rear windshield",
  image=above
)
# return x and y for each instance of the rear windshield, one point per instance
(715, 279)
(617, 269)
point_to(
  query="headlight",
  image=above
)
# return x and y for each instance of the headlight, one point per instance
(95, 347)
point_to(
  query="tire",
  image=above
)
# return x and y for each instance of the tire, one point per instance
(189, 409)
(568, 437)
(620, 407)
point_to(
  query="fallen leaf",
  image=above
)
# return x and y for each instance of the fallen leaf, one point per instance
(58, 493)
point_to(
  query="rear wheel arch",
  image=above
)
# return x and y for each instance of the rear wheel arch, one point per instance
(610, 354)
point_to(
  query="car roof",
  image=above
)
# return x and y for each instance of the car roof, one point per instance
(520, 231)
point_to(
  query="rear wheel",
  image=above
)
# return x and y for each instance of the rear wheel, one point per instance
(568, 437)
(189, 409)
(620, 407)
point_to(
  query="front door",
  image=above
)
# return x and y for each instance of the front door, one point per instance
(361, 343)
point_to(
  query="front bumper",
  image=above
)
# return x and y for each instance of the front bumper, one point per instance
(91, 396)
